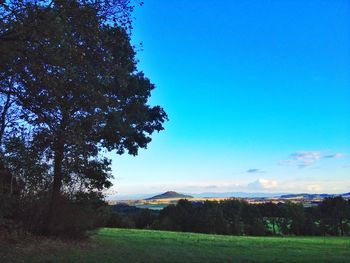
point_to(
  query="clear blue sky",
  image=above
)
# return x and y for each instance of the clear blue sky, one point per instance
(257, 92)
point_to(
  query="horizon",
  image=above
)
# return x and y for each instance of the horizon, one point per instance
(257, 95)
(140, 196)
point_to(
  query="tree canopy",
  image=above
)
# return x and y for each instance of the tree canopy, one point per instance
(69, 70)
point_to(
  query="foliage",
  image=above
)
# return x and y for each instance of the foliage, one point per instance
(335, 216)
(69, 91)
(236, 217)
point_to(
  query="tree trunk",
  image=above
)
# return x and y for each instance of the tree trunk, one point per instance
(341, 227)
(4, 112)
(57, 184)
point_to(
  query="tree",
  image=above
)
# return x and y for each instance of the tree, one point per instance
(232, 213)
(79, 89)
(271, 213)
(335, 215)
(253, 221)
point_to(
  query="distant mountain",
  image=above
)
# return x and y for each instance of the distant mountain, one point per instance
(346, 195)
(169, 194)
(172, 194)
(313, 196)
(237, 195)
(305, 196)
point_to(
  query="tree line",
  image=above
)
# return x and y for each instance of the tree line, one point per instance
(238, 217)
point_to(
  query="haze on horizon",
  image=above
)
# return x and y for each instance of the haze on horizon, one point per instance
(257, 93)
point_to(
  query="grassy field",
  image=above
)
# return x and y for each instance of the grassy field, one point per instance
(122, 245)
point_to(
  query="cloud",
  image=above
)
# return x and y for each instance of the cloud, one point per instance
(304, 159)
(305, 163)
(262, 184)
(285, 162)
(314, 188)
(335, 155)
(254, 170)
(302, 155)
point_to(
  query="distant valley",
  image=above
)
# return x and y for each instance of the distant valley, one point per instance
(159, 201)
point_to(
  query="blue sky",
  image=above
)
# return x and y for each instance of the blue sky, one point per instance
(257, 92)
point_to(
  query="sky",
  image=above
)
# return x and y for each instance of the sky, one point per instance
(257, 94)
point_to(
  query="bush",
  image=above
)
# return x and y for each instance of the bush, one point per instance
(77, 215)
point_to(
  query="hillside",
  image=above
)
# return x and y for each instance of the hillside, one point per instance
(144, 246)
(169, 194)
(313, 196)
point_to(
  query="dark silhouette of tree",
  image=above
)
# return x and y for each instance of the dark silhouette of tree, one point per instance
(237, 217)
(168, 219)
(179, 217)
(271, 213)
(335, 215)
(253, 220)
(295, 213)
(78, 87)
(232, 213)
(311, 223)
(145, 219)
(210, 219)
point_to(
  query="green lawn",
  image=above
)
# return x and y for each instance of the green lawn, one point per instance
(123, 245)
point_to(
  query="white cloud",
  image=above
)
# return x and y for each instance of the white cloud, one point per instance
(262, 184)
(302, 155)
(314, 188)
(290, 186)
(304, 159)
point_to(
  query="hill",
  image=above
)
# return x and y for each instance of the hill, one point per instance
(127, 245)
(169, 194)
(313, 196)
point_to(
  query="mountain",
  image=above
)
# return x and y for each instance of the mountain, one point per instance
(173, 194)
(313, 196)
(169, 194)
(236, 194)
(346, 195)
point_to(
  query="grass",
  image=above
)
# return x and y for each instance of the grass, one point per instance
(136, 246)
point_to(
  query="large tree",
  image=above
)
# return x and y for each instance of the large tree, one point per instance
(335, 215)
(77, 84)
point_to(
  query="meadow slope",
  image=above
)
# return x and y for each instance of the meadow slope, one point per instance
(136, 246)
